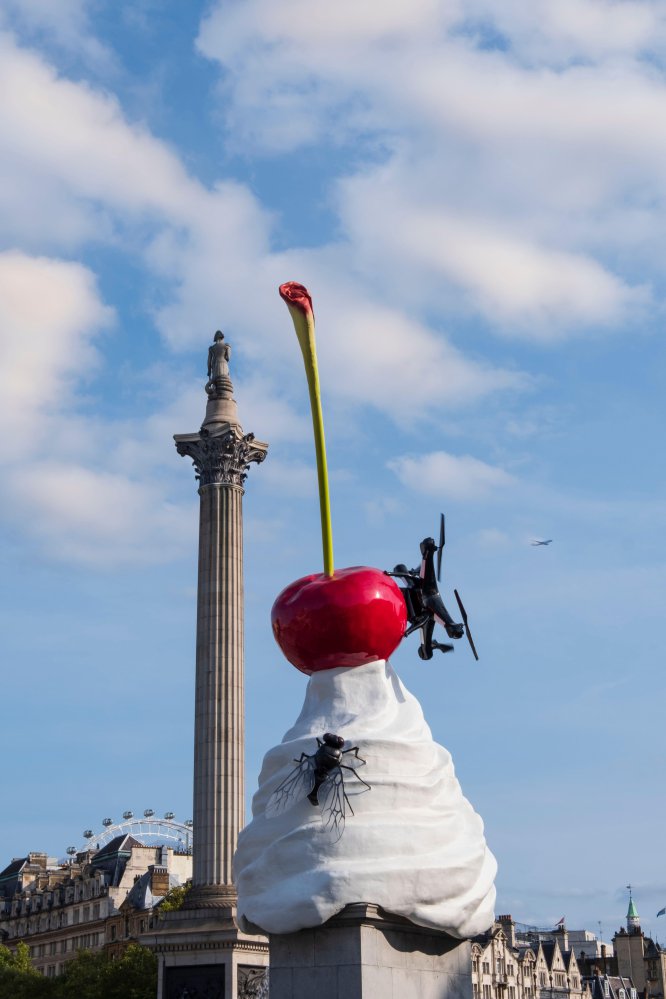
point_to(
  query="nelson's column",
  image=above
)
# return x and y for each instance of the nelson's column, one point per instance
(200, 948)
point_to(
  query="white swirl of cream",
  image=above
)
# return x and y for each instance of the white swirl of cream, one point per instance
(414, 845)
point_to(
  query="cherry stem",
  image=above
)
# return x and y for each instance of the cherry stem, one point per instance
(305, 331)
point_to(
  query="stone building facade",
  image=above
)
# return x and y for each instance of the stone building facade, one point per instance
(506, 965)
(59, 909)
(640, 958)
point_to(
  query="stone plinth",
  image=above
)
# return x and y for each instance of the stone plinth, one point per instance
(366, 953)
(203, 953)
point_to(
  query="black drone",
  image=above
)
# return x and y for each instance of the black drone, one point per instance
(320, 779)
(425, 606)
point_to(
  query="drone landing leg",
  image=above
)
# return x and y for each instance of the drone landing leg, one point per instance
(442, 646)
(418, 623)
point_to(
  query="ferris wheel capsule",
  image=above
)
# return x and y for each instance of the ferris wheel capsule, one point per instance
(148, 813)
(71, 850)
(107, 822)
(128, 815)
(88, 833)
(169, 816)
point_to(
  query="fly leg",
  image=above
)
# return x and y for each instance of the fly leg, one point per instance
(343, 766)
(320, 777)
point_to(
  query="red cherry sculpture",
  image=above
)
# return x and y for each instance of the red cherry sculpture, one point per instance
(353, 617)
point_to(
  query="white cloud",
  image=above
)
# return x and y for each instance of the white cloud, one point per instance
(272, 414)
(75, 148)
(98, 518)
(521, 287)
(78, 137)
(559, 32)
(513, 172)
(50, 312)
(65, 24)
(447, 475)
(51, 315)
(381, 356)
(79, 171)
(288, 478)
(492, 539)
(382, 509)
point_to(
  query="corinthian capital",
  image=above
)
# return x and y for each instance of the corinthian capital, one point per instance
(221, 458)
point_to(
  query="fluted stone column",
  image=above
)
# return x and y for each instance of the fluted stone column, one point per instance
(221, 454)
(200, 949)
(219, 715)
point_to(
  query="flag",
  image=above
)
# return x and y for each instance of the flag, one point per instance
(560, 922)
(662, 912)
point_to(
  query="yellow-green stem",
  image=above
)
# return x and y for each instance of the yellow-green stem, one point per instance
(304, 326)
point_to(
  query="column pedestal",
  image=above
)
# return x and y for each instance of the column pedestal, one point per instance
(366, 953)
(203, 953)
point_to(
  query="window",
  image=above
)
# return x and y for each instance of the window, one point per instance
(486, 992)
(96, 910)
(475, 990)
(606, 988)
(52, 947)
(528, 993)
(542, 979)
(576, 983)
(77, 916)
(486, 967)
(113, 932)
(622, 994)
(63, 946)
(86, 913)
(512, 992)
(509, 970)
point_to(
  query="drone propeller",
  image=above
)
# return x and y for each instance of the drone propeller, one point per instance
(442, 542)
(467, 631)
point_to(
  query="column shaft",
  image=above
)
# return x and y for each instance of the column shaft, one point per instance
(219, 710)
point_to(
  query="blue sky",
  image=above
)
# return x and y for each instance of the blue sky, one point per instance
(474, 194)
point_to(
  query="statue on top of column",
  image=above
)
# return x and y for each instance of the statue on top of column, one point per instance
(218, 357)
(218, 365)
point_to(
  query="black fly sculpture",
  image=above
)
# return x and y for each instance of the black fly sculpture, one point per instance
(320, 778)
(425, 606)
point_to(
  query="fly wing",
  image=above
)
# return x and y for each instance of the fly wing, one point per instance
(351, 762)
(333, 801)
(297, 785)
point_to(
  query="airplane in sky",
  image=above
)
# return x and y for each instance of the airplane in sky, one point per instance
(548, 542)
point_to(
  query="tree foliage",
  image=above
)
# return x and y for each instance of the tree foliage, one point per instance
(175, 897)
(87, 976)
(94, 976)
(18, 978)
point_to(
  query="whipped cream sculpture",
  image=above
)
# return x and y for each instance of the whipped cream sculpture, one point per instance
(399, 833)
